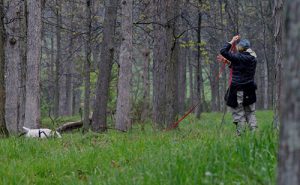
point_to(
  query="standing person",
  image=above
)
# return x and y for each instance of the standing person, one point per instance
(241, 95)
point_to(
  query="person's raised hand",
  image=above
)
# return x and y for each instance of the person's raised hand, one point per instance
(235, 39)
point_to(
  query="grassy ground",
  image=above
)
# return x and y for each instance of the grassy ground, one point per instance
(200, 152)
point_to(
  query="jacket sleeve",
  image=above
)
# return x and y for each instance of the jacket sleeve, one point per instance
(225, 52)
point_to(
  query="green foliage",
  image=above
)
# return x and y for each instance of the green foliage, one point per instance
(200, 152)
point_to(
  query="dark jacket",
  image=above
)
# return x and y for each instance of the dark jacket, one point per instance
(243, 66)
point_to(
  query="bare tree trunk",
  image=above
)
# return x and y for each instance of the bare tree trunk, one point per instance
(87, 69)
(13, 61)
(173, 30)
(64, 65)
(278, 14)
(182, 62)
(56, 107)
(146, 84)
(124, 103)
(199, 69)
(3, 129)
(265, 65)
(32, 112)
(71, 66)
(289, 151)
(191, 78)
(214, 66)
(23, 50)
(105, 66)
(159, 63)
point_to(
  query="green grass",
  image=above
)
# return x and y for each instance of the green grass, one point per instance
(200, 152)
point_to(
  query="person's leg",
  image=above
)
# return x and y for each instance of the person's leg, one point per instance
(238, 115)
(251, 117)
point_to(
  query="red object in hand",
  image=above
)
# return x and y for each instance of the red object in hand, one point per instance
(223, 60)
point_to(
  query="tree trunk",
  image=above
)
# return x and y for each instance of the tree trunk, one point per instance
(278, 14)
(289, 151)
(159, 63)
(146, 84)
(181, 96)
(13, 61)
(173, 30)
(105, 66)
(87, 69)
(3, 129)
(124, 103)
(71, 65)
(23, 51)
(32, 112)
(191, 78)
(199, 69)
(63, 63)
(56, 107)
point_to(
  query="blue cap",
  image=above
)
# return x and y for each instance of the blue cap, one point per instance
(244, 43)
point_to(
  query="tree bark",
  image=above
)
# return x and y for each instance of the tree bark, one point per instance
(3, 129)
(146, 84)
(173, 31)
(71, 64)
(32, 112)
(13, 61)
(105, 66)
(159, 63)
(289, 151)
(198, 79)
(23, 50)
(56, 107)
(278, 14)
(87, 69)
(124, 103)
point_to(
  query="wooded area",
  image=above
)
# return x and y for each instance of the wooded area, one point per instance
(123, 62)
(159, 57)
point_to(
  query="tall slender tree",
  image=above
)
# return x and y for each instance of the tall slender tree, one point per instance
(173, 36)
(13, 61)
(87, 67)
(124, 103)
(32, 112)
(99, 117)
(278, 14)
(289, 151)
(57, 60)
(198, 79)
(3, 129)
(159, 62)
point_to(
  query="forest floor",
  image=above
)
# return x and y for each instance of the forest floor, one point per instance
(200, 152)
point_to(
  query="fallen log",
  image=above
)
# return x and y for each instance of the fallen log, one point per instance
(70, 126)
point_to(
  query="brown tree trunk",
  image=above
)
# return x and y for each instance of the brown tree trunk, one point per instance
(191, 78)
(278, 14)
(289, 151)
(56, 107)
(173, 30)
(13, 61)
(87, 69)
(182, 63)
(159, 63)
(3, 129)
(146, 84)
(198, 79)
(71, 65)
(105, 66)
(124, 103)
(23, 50)
(32, 112)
